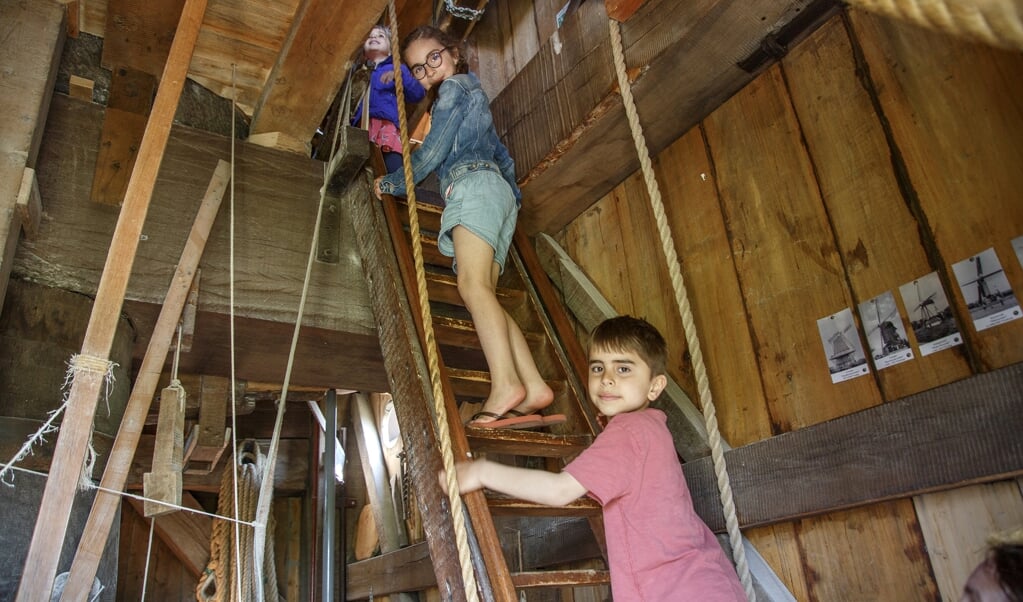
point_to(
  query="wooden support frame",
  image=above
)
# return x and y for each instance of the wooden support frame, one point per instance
(51, 526)
(959, 434)
(83, 569)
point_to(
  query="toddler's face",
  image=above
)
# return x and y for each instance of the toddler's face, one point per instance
(377, 43)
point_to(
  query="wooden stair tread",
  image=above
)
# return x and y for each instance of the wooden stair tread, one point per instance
(460, 332)
(561, 578)
(525, 442)
(475, 384)
(443, 288)
(507, 506)
(428, 214)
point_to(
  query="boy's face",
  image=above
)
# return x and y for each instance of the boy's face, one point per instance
(620, 381)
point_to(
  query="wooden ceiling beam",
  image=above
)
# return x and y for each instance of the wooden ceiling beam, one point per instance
(563, 120)
(312, 64)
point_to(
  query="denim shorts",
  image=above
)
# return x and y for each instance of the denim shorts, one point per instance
(480, 200)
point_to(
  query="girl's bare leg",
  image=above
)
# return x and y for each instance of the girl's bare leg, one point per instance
(503, 344)
(538, 394)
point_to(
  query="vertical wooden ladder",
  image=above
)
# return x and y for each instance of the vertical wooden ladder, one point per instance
(530, 299)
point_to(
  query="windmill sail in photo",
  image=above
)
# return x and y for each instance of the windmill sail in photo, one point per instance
(986, 291)
(842, 346)
(930, 316)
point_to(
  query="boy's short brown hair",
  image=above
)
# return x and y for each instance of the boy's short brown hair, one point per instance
(626, 333)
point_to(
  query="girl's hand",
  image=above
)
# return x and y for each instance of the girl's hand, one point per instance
(376, 188)
(387, 76)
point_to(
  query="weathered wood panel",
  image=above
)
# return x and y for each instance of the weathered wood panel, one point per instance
(788, 265)
(957, 524)
(882, 244)
(694, 217)
(168, 578)
(870, 553)
(566, 128)
(957, 122)
(275, 199)
(964, 432)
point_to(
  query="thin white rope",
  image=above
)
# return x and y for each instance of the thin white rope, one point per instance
(234, 422)
(79, 364)
(682, 298)
(143, 498)
(149, 555)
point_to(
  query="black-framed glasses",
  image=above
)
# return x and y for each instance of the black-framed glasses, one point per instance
(433, 60)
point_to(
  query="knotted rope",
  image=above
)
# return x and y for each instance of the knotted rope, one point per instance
(995, 22)
(682, 298)
(440, 412)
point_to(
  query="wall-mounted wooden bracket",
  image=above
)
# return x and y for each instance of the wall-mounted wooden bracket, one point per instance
(164, 483)
(351, 155)
(209, 438)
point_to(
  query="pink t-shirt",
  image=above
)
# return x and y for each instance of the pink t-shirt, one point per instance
(658, 548)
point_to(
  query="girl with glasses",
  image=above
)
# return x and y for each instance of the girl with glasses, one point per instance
(481, 205)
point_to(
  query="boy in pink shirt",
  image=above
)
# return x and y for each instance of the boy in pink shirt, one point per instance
(658, 548)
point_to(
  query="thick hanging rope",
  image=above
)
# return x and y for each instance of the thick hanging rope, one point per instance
(682, 298)
(440, 412)
(995, 22)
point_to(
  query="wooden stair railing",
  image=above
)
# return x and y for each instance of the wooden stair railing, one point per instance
(530, 299)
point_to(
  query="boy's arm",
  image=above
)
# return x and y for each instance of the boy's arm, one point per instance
(538, 486)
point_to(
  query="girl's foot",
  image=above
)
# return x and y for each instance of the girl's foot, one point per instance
(498, 404)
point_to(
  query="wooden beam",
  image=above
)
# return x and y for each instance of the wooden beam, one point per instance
(48, 536)
(962, 433)
(187, 534)
(29, 205)
(276, 200)
(564, 123)
(97, 528)
(378, 484)
(31, 41)
(290, 472)
(307, 76)
(408, 569)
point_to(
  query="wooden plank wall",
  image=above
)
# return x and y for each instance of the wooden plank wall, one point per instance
(873, 154)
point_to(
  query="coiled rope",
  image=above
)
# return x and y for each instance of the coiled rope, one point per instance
(216, 583)
(998, 23)
(682, 298)
(440, 412)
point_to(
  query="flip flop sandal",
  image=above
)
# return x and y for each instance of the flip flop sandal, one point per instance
(517, 421)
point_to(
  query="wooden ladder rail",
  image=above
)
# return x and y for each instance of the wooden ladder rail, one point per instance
(489, 546)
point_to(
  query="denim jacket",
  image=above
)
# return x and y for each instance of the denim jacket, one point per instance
(461, 138)
(383, 103)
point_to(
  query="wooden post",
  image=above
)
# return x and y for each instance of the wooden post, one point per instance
(163, 483)
(97, 528)
(76, 428)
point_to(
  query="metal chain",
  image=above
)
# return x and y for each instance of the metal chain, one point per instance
(462, 12)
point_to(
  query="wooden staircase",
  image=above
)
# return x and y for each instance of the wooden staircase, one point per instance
(530, 299)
